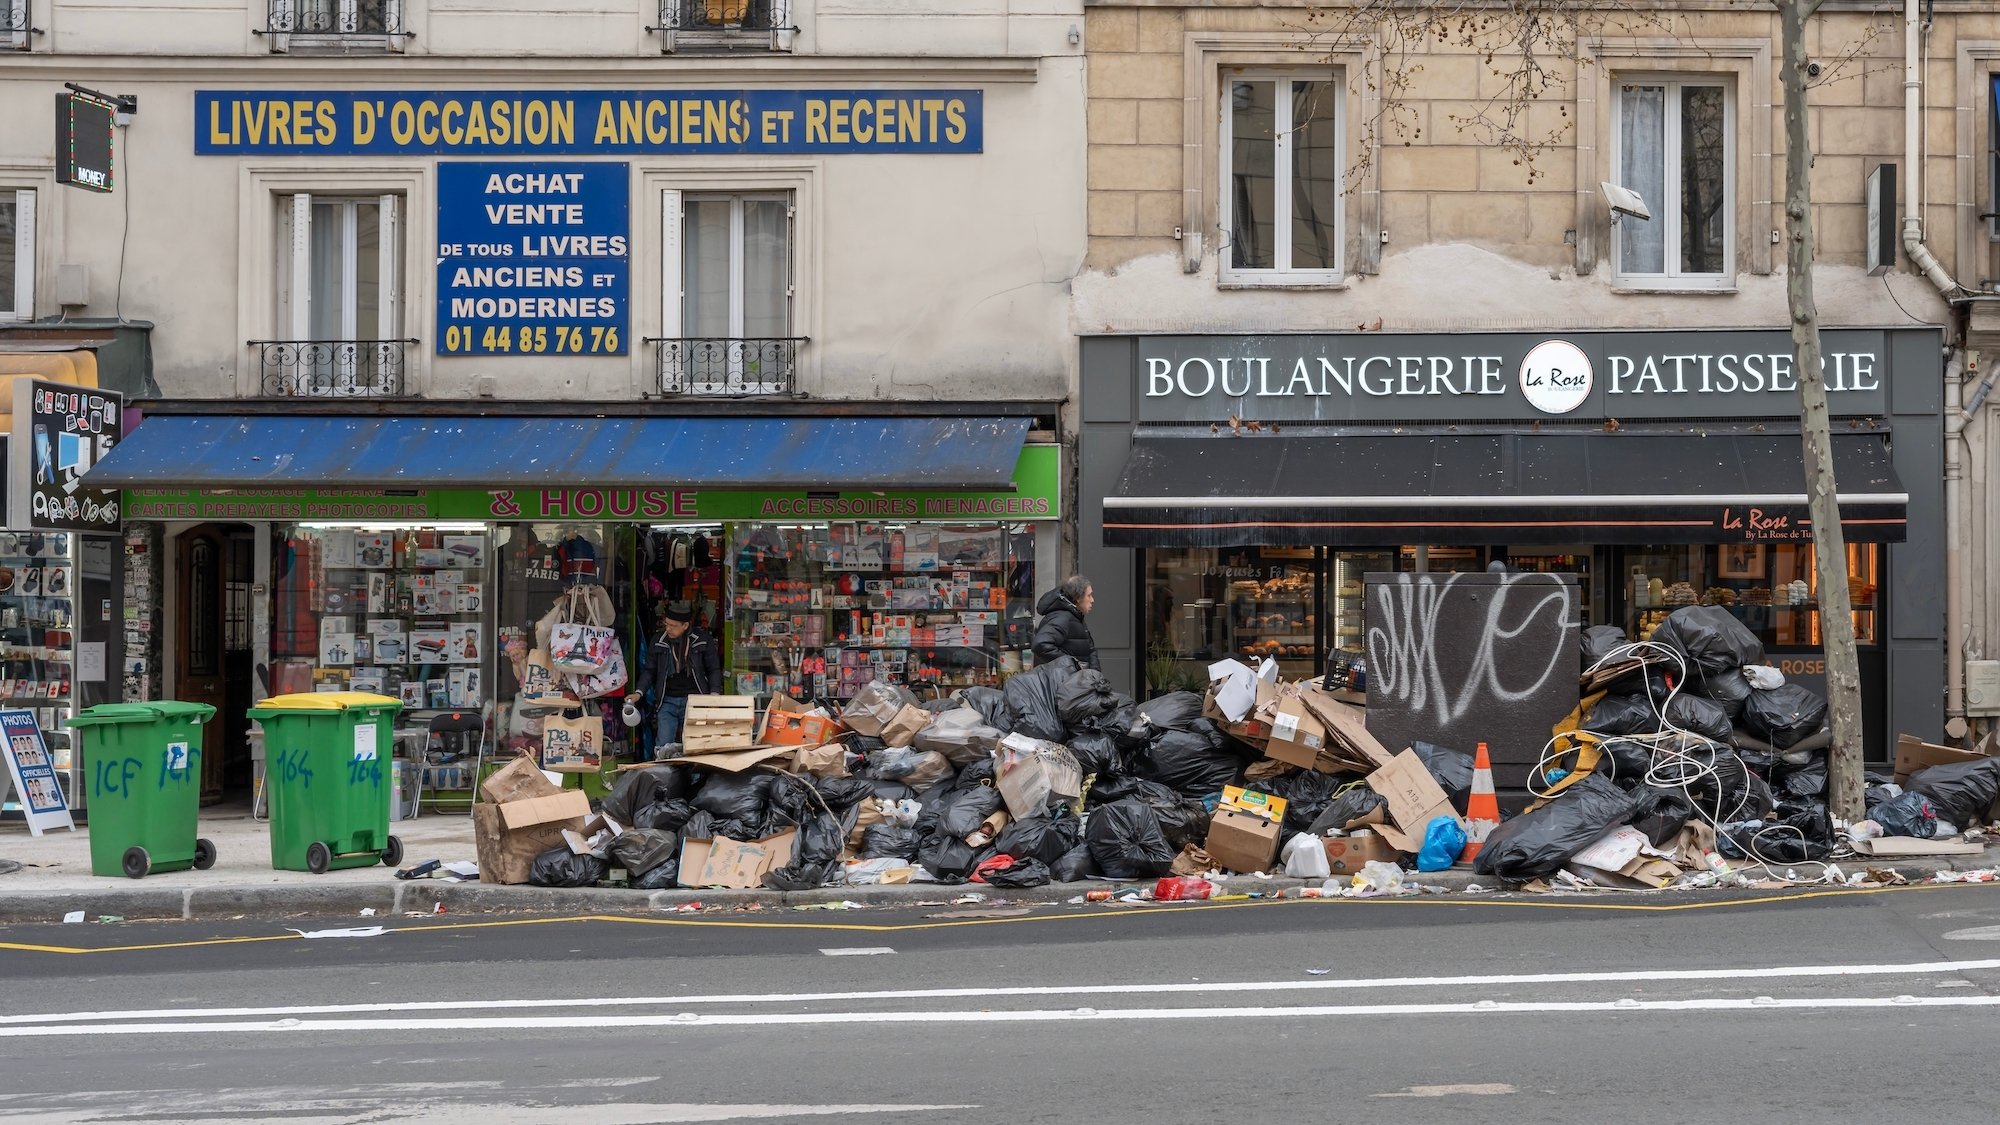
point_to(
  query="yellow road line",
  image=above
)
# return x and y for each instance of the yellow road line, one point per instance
(951, 924)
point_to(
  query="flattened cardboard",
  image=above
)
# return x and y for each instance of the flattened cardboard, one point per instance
(1912, 846)
(1914, 754)
(735, 864)
(1346, 728)
(1348, 854)
(1414, 800)
(566, 805)
(1242, 841)
(736, 761)
(517, 780)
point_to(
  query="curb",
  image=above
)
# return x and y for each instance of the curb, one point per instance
(425, 895)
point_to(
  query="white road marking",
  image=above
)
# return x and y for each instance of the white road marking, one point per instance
(1476, 1089)
(601, 1021)
(448, 1113)
(1977, 933)
(1157, 989)
(859, 951)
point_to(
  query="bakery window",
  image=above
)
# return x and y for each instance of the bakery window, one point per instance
(1771, 587)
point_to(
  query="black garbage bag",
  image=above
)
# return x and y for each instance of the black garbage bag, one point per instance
(1962, 792)
(1123, 725)
(1074, 866)
(1347, 808)
(890, 790)
(960, 812)
(1023, 873)
(1599, 642)
(1031, 696)
(1700, 715)
(638, 788)
(1126, 842)
(1196, 762)
(1784, 716)
(1758, 799)
(1452, 769)
(1808, 780)
(950, 859)
(1096, 752)
(1616, 715)
(797, 876)
(887, 841)
(1307, 793)
(844, 794)
(1538, 843)
(1176, 710)
(1123, 786)
(664, 877)
(1814, 823)
(700, 826)
(1908, 815)
(1047, 836)
(939, 706)
(1626, 760)
(1799, 833)
(560, 867)
(665, 816)
(639, 850)
(1084, 697)
(991, 703)
(1876, 794)
(1661, 814)
(739, 797)
(1728, 690)
(1710, 638)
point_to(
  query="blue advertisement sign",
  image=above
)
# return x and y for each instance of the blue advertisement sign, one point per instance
(584, 122)
(32, 770)
(533, 258)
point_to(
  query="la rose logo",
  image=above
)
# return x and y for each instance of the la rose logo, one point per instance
(1555, 377)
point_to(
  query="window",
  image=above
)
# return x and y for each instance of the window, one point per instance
(337, 17)
(17, 255)
(338, 291)
(727, 320)
(14, 29)
(1281, 198)
(1673, 147)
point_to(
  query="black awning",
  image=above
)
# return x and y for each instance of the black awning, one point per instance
(1184, 488)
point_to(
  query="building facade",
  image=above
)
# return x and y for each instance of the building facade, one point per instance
(445, 307)
(1360, 299)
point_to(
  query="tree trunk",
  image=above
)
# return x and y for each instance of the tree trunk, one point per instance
(1843, 677)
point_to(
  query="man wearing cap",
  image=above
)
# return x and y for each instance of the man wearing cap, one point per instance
(686, 661)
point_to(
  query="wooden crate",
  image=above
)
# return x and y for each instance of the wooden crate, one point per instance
(719, 723)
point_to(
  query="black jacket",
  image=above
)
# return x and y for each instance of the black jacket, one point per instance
(1062, 631)
(704, 663)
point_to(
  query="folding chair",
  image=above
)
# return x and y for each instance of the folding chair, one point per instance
(454, 737)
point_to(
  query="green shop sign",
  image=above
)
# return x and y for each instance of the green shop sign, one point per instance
(1037, 496)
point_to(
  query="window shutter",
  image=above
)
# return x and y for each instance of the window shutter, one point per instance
(24, 256)
(300, 262)
(670, 264)
(389, 294)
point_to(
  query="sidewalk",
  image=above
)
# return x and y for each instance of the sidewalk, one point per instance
(55, 879)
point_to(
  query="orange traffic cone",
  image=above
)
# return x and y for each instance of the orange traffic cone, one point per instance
(1482, 811)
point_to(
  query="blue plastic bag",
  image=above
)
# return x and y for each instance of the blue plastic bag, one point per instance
(1444, 839)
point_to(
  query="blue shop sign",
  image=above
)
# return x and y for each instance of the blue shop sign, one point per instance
(584, 122)
(533, 258)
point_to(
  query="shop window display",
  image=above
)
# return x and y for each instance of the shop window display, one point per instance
(820, 610)
(37, 591)
(1772, 587)
(1207, 604)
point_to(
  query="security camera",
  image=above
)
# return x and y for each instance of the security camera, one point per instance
(1813, 69)
(1624, 201)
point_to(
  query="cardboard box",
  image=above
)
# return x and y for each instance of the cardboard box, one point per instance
(790, 728)
(1914, 754)
(563, 805)
(737, 864)
(506, 855)
(1242, 841)
(1414, 800)
(1297, 736)
(518, 779)
(1347, 854)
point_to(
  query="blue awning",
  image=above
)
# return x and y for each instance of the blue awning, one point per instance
(296, 451)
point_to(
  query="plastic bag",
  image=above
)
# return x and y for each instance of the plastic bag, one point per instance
(1176, 710)
(960, 734)
(638, 788)
(1625, 760)
(1661, 814)
(1047, 838)
(991, 703)
(1711, 639)
(1763, 677)
(887, 841)
(666, 816)
(639, 850)
(560, 867)
(1728, 690)
(1784, 717)
(1307, 793)
(918, 769)
(1962, 792)
(1444, 842)
(1908, 815)
(740, 797)
(1084, 697)
(1538, 843)
(1346, 810)
(1452, 769)
(1194, 762)
(1096, 752)
(1598, 643)
(950, 859)
(1075, 865)
(961, 812)
(874, 707)
(1617, 715)
(1014, 872)
(1305, 858)
(1031, 696)
(800, 876)
(1126, 841)
(664, 877)
(1378, 878)
(1808, 780)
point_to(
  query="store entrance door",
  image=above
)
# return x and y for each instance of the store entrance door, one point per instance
(212, 647)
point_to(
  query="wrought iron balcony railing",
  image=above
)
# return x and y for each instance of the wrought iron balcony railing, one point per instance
(17, 28)
(336, 18)
(729, 366)
(746, 16)
(334, 368)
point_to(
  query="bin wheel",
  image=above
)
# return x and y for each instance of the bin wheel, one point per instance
(137, 863)
(393, 854)
(318, 858)
(204, 854)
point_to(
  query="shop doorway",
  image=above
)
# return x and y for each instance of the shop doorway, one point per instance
(212, 654)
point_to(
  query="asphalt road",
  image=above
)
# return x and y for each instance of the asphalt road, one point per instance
(1822, 1007)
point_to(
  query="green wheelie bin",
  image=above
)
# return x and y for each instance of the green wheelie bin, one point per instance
(327, 757)
(143, 767)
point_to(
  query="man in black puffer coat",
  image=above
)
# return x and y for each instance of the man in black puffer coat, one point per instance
(1062, 631)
